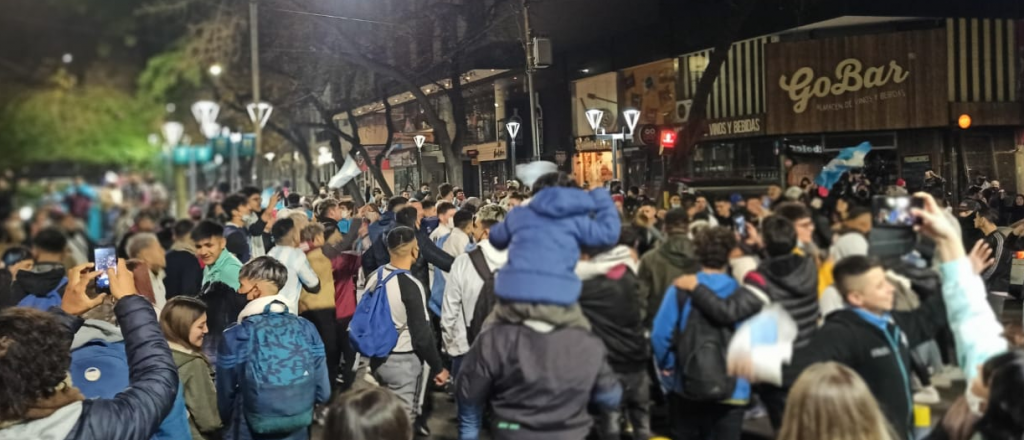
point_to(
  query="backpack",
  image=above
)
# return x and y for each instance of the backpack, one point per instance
(51, 299)
(280, 365)
(99, 369)
(700, 348)
(486, 300)
(372, 331)
(437, 288)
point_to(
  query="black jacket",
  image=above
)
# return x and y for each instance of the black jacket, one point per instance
(34, 283)
(849, 339)
(136, 412)
(611, 304)
(184, 274)
(997, 277)
(792, 282)
(541, 383)
(377, 255)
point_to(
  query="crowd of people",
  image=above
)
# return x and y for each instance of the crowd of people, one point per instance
(548, 311)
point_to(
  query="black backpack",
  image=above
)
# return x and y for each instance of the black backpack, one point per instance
(701, 348)
(486, 301)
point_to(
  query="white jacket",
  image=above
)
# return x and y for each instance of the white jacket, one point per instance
(460, 295)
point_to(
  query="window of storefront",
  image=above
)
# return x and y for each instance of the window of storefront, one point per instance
(480, 118)
(493, 175)
(753, 160)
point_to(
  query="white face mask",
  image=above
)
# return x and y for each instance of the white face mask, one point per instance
(676, 205)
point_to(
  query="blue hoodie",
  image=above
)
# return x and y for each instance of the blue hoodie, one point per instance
(669, 319)
(544, 240)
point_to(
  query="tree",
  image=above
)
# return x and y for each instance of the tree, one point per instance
(81, 124)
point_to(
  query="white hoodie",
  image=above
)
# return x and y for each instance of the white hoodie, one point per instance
(460, 295)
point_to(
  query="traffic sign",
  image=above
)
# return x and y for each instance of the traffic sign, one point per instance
(649, 134)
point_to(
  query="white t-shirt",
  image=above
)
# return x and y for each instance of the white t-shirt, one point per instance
(299, 270)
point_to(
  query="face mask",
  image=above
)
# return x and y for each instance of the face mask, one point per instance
(676, 205)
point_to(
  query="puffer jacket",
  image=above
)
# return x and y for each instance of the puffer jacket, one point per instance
(136, 412)
(544, 240)
(659, 268)
(539, 367)
(610, 303)
(792, 282)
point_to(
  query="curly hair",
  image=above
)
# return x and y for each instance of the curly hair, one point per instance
(713, 246)
(34, 358)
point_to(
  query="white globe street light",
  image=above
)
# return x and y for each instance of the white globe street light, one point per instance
(270, 156)
(513, 130)
(206, 113)
(259, 113)
(594, 117)
(216, 70)
(632, 117)
(172, 132)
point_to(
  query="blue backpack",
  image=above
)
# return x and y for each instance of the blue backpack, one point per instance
(100, 370)
(281, 361)
(372, 331)
(437, 288)
(51, 299)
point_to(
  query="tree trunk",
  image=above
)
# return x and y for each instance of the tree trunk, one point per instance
(454, 166)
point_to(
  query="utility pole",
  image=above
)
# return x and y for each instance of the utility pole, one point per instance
(254, 44)
(531, 67)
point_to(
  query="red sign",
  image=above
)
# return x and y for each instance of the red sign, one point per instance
(668, 138)
(649, 135)
(472, 154)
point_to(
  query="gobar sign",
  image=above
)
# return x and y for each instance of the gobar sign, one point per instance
(868, 82)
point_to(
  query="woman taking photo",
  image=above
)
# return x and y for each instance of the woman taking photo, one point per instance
(183, 322)
(830, 401)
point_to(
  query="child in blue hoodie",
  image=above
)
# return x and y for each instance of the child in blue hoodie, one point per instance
(699, 419)
(536, 361)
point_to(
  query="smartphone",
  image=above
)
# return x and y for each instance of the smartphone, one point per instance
(894, 211)
(741, 226)
(103, 259)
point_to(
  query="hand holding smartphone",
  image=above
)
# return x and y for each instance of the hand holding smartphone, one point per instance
(103, 259)
(895, 211)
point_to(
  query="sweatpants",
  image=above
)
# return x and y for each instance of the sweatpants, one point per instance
(323, 320)
(406, 376)
(636, 403)
(705, 420)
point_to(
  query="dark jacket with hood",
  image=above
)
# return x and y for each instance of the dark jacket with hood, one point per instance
(792, 282)
(539, 367)
(544, 238)
(659, 269)
(878, 349)
(610, 303)
(39, 281)
(136, 412)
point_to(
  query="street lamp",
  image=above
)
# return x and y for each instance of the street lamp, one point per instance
(259, 114)
(594, 117)
(205, 113)
(420, 139)
(269, 156)
(172, 132)
(513, 130)
(216, 70)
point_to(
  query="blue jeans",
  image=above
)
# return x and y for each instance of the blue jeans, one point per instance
(470, 416)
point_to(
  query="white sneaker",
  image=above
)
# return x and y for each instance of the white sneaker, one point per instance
(927, 396)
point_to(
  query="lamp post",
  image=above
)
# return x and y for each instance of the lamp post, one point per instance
(236, 139)
(594, 117)
(420, 139)
(205, 113)
(270, 164)
(259, 114)
(172, 132)
(513, 130)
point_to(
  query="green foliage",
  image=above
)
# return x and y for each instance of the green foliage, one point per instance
(169, 75)
(79, 124)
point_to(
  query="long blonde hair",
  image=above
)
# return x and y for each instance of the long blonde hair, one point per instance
(830, 401)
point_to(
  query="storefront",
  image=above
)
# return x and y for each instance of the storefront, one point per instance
(592, 159)
(490, 163)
